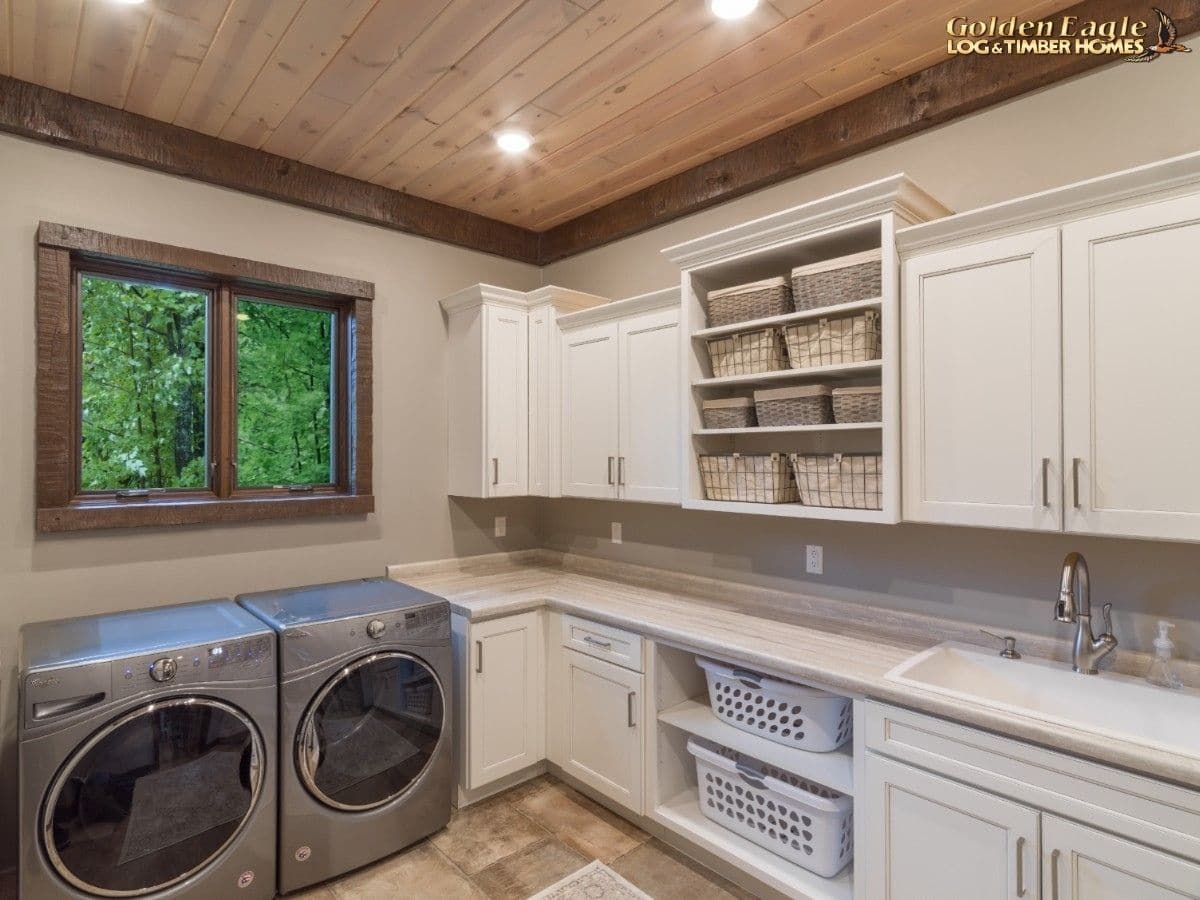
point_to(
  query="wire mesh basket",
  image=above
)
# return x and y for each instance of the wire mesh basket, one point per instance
(747, 353)
(843, 280)
(751, 478)
(757, 300)
(829, 342)
(858, 404)
(808, 404)
(842, 480)
(803, 822)
(733, 412)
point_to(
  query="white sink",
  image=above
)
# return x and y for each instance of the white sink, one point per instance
(1117, 706)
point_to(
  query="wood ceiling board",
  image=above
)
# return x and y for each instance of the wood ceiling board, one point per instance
(597, 29)
(107, 51)
(177, 40)
(509, 176)
(780, 58)
(383, 37)
(766, 101)
(41, 113)
(362, 142)
(250, 31)
(317, 32)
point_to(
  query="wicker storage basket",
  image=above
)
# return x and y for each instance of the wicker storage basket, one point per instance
(844, 480)
(753, 478)
(858, 404)
(736, 412)
(758, 300)
(806, 404)
(747, 353)
(828, 342)
(842, 280)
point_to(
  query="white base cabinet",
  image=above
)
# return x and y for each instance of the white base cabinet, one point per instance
(1080, 863)
(501, 670)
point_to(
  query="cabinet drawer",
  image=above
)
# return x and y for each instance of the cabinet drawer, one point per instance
(603, 642)
(1155, 812)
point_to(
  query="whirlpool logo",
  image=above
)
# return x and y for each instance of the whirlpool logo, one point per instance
(1136, 40)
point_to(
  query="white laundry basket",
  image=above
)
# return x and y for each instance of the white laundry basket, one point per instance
(805, 823)
(780, 711)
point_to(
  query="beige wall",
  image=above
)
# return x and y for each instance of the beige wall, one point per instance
(73, 574)
(1088, 127)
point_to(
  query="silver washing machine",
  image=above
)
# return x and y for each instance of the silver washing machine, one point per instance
(364, 722)
(146, 754)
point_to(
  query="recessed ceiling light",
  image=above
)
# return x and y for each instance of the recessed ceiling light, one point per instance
(512, 141)
(732, 9)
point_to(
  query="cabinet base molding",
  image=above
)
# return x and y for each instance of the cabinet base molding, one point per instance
(464, 798)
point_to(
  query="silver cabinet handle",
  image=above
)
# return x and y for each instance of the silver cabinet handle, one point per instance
(479, 657)
(495, 470)
(1075, 478)
(610, 468)
(621, 470)
(629, 701)
(1021, 866)
(1046, 482)
(1054, 874)
(596, 642)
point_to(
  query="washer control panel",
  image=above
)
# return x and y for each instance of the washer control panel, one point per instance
(163, 669)
(229, 661)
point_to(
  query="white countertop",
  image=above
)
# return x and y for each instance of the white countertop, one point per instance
(841, 646)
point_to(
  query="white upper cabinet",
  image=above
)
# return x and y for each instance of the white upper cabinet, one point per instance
(648, 370)
(981, 374)
(502, 386)
(620, 400)
(590, 424)
(1131, 389)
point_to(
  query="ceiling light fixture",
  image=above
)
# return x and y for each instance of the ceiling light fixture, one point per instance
(513, 141)
(732, 9)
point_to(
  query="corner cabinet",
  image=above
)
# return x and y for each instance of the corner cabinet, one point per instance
(502, 379)
(500, 672)
(620, 400)
(1049, 363)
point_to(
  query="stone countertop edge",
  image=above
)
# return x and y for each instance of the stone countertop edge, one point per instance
(469, 586)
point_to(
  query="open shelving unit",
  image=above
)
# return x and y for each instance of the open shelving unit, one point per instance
(682, 710)
(862, 219)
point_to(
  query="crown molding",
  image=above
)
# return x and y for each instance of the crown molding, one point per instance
(564, 300)
(618, 309)
(476, 295)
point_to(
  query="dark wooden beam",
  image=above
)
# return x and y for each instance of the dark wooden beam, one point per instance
(956, 87)
(44, 114)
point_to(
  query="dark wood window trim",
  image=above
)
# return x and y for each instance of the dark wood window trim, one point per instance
(62, 252)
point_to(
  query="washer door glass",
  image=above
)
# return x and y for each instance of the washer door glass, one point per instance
(371, 731)
(153, 797)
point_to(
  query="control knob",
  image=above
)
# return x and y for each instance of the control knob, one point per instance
(375, 628)
(163, 669)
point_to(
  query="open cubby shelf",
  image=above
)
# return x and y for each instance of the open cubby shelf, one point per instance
(824, 312)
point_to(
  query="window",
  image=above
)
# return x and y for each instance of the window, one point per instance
(176, 386)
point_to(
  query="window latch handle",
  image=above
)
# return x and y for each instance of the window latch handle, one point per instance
(300, 488)
(139, 493)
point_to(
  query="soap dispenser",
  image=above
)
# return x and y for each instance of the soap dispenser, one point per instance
(1162, 671)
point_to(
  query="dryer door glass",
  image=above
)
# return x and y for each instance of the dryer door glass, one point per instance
(370, 732)
(153, 797)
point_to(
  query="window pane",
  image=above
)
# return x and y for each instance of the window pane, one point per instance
(143, 385)
(285, 401)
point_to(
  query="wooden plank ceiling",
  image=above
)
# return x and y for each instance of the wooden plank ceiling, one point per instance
(408, 94)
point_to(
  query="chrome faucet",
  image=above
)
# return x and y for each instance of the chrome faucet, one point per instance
(1074, 607)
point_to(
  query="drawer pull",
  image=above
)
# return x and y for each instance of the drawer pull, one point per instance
(629, 710)
(596, 642)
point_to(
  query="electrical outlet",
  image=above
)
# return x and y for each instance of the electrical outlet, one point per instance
(501, 526)
(616, 532)
(815, 562)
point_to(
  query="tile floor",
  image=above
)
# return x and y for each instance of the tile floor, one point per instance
(517, 843)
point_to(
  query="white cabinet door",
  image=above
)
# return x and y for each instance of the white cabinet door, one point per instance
(602, 727)
(648, 375)
(1131, 314)
(507, 711)
(929, 838)
(1079, 863)
(507, 386)
(590, 435)
(981, 376)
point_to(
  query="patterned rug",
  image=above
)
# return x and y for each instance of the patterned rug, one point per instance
(593, 882)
